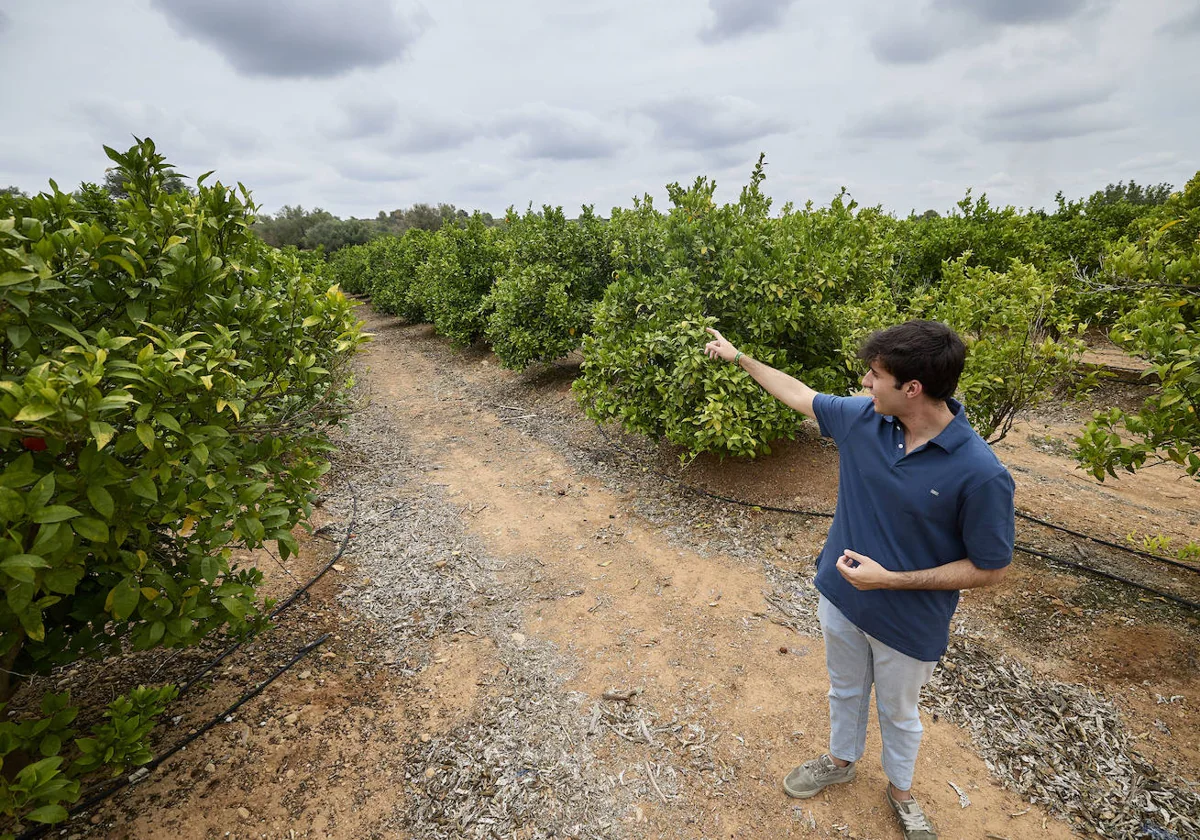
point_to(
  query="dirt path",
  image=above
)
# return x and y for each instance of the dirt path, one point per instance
(510, 569)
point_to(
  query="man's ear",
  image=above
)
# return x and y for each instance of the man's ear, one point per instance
(913, 388)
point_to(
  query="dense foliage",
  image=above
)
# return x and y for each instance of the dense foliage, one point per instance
(764, 282)
(554, 270)
(1156, 272)
(165, 382)
(453, 282)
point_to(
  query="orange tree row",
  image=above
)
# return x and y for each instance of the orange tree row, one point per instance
(800, 289)
(165, 384)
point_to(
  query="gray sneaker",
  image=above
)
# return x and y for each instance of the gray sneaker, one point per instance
(912, 819)
(812, 776)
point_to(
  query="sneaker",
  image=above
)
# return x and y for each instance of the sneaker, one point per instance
(912, 819)
(812, 776)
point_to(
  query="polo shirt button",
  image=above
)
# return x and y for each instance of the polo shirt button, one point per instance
(901, 445)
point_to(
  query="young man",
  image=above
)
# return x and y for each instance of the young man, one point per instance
(924, 510)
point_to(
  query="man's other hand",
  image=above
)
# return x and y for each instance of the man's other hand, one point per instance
(863, 572)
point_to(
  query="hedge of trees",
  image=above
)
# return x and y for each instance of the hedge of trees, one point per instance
(166, 381)
(800, 289)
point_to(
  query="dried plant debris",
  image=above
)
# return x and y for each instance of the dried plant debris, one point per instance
(527, 762)
(1060, 745)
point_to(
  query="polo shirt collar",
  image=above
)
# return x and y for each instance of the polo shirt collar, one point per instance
(957, 431)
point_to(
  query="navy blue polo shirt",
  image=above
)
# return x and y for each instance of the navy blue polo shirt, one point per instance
(946, 500)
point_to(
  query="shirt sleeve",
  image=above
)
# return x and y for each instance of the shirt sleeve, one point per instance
(835, 415)
(987, 519)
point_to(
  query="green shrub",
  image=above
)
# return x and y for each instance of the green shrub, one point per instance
(1021, 342)
(349, 269)
(554, 272)
(766, 283)
(455, 278)
(1159, 273)
(392, 292)
(165, 384)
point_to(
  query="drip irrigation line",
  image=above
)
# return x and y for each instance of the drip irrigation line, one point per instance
(1184, 602)
(146, 769)
(286, 603)
(1135, 551)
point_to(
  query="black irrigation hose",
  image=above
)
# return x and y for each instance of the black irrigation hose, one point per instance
(1192, 605)
(141, 772)
(1125, 548)
(286, 603)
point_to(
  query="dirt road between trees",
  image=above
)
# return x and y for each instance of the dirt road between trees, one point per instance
(537, 634)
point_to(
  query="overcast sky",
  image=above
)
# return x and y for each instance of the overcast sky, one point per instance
(363, 105)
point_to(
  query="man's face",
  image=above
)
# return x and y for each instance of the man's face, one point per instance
(881, 385)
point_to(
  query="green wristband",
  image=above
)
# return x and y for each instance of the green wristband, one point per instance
(738, 356)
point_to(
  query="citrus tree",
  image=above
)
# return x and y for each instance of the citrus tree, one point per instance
(166, 380)
(766, 283)
(1159, 271)
(554, 270)
(458, 272)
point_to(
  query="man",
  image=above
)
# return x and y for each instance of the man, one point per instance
(924, 510)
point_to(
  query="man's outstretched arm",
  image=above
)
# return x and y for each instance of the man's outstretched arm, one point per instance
(787, 389)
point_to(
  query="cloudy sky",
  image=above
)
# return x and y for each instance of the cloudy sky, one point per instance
(363, 105)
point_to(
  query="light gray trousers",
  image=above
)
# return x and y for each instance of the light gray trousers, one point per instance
(855, 662)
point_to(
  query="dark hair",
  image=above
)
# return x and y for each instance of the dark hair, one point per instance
(927, 351)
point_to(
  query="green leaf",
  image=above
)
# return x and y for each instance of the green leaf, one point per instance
(55, 513)
(123, 599)
(121, 261)
(145, 435)
(101, 500)
(102, 432)
(31, 621)
(23, 566)
(142, 485)
(95, 530)
(12, 506)
(33, 413)
(168, 421)
(18, 335)
(51, 745)
(47, 814)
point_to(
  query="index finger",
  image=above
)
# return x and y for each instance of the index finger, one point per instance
(713, 333)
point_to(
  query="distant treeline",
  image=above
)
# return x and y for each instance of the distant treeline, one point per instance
(317, 228)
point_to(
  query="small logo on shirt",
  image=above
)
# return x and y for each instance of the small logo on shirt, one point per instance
(934, 492)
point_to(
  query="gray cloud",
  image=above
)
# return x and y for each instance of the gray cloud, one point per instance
(1050, 115)
(373, 168)
(550, 133)
(1181, 26)
(705, 123)
(1048, 127)
(946, 25)
(297, 38)
(1015, 12)
(734, 18)
(424, 134)
(1050, 102)
(365, 117)
(898, 121)
(5, 21)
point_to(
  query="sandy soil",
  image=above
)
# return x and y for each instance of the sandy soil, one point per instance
(637, 595)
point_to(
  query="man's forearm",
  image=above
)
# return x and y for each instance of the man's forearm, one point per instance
(787, 389)
(961, 574)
